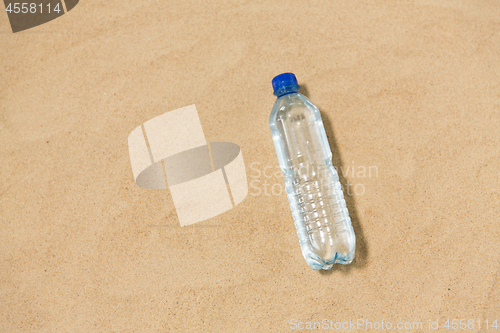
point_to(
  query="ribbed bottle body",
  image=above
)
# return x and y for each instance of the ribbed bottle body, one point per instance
(312, 184)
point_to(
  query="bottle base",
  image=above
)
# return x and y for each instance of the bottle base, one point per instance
(327, 267)
(316, 264)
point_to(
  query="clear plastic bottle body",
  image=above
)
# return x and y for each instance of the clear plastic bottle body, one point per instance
(312, 183)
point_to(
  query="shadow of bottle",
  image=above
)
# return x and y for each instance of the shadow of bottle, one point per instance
(361, 257)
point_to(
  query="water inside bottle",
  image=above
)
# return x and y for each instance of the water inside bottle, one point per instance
(312, 183)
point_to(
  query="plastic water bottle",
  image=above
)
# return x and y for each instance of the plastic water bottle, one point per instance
(312, 183)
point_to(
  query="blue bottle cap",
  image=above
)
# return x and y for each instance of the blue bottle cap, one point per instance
(283, 80)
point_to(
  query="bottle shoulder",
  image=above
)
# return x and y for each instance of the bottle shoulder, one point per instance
(293, 105)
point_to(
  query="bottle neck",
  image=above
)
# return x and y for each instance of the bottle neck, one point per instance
(285, 90)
